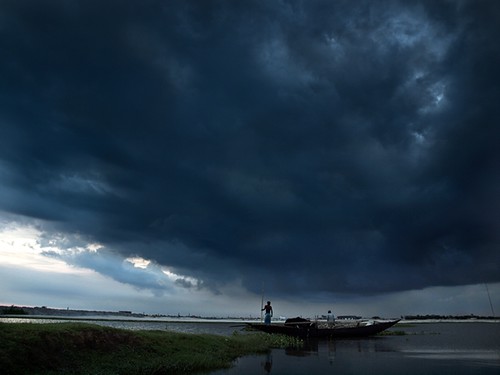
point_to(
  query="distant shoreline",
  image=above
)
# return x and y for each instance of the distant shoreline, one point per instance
(128, 319)
(43, 312)
(46, 313)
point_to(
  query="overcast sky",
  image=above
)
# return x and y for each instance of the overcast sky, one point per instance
(188, 156)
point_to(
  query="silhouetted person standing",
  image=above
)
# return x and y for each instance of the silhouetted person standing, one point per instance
(269, 312)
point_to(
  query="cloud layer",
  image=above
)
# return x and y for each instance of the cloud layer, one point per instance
(313, 147)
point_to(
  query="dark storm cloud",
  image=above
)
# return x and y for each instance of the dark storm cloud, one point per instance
(316, 146)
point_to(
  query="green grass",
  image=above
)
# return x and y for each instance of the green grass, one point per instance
(77, 348)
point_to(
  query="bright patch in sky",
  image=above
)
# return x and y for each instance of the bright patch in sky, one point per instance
(20, 247)
(139, 262)
(37, 272)
(26, 247)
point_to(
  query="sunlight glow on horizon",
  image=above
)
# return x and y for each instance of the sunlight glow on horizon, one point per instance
(24, 247)
(20, 247)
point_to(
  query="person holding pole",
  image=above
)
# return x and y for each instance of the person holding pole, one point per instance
(269, 312)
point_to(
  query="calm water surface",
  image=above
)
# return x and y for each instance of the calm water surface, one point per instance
(215, 327)
(442, 348)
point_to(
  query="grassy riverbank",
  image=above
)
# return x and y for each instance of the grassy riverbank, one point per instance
(77, 348)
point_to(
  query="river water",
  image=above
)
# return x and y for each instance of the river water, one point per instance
(197, 326)
(425, 348)
(439, 348)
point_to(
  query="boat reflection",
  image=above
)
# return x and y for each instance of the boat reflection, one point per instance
(459, 349)
(329, 352)
(374, 344)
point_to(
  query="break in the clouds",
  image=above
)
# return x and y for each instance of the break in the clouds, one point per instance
(314, 147)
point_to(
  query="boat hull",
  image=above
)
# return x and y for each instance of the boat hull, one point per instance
(312, 330)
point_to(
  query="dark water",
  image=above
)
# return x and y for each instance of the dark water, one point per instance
(441, 348)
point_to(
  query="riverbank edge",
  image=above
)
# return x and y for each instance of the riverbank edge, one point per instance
(83, 348)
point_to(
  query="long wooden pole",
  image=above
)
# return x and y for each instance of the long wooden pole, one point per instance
(262, 302)
(489, 298)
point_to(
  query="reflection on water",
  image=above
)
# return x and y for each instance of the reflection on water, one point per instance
(268, 363)
(459, 355)
(425, 349)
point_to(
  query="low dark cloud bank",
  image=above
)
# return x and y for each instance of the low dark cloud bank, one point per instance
(316, 146)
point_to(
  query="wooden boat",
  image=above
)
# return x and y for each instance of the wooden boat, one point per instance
(304, 328)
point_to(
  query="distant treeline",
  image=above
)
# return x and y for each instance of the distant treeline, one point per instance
(43, 310)
(448, 317)
(12, 310)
